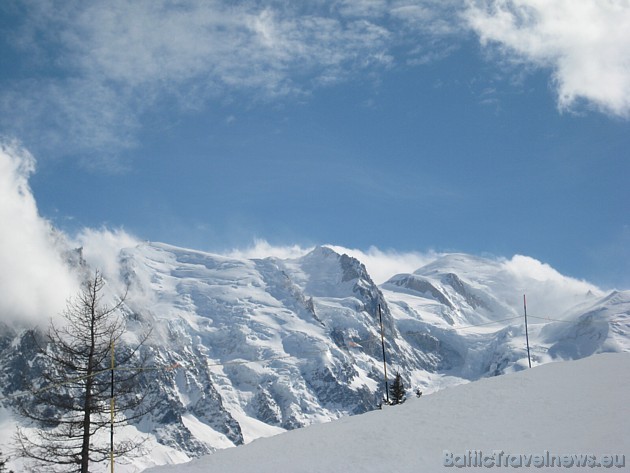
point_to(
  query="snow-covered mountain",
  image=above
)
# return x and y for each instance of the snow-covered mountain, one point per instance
(557, 416)
(254, 347)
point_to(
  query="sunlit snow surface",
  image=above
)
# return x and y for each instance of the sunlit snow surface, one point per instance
(254, 347)
(566, 408)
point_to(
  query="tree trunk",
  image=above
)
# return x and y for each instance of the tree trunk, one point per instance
(87, 412)
(85, 446)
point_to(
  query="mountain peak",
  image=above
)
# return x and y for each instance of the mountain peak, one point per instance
(268, 344)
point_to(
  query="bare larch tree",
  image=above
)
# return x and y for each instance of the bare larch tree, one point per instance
(70, 401)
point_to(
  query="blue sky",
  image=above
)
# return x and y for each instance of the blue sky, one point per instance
(487, 127)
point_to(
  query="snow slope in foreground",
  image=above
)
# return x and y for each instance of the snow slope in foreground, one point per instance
(576, 407)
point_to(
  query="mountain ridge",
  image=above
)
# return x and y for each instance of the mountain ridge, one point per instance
(564, 408)
(270, 344)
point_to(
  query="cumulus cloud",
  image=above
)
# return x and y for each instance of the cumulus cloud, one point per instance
(586, 44)
(35, 282)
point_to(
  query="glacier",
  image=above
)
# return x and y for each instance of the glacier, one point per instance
(245, 348)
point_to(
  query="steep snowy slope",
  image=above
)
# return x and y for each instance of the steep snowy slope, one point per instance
(274, 331)
(473, 308)
(262, 345)
(601, 327)
(471, 290)
(247, 348)
(571, 408)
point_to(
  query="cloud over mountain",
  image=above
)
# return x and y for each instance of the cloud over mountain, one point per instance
(34, 280)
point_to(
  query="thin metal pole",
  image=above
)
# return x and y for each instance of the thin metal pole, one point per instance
(111, 408)
(526, 331)
(380, 316)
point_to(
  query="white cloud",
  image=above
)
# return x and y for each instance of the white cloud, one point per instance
(545, 287)
(261, 248)
(34, 279)
(585, 43)
(74, 116)
(382, 265)
(97, 68)
(549, 292)
(363, 8)
(101, 250)
(438, 18)
(102, 65)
